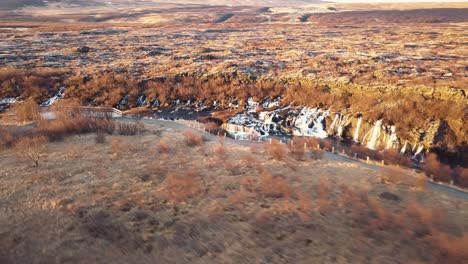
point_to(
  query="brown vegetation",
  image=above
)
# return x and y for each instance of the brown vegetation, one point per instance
(27, 111)
(31, 148)
(193, 139)
(276, 149)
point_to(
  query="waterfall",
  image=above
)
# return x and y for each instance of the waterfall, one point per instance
(267, 122)
(418, 151)
(333, 124)
(338, 125)
(124, 101)
(239, 130)
(356, 131)
(344, 122)
(310, 123)
(403, 150)
(141, 101)
(54, 98)
(156, 102)
(375, 134)
(392, 140)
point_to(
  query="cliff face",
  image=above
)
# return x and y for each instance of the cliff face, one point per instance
(404, 118)
(316, 122)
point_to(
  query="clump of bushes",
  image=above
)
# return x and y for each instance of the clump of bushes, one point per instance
(193, 139)
(276, 150)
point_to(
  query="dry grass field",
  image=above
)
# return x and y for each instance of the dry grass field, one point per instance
(176, 196)
(384, 81)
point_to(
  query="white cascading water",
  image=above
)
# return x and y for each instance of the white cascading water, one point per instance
(344, 122)
(333, 124)
(310, 123)
(233, 128)
(8, 100)
(403, 149)
(356, 131)
(54, 98)
(338, 125)
(267, 122)
(392, 139)
(418, 151)
(141, 101)
(375, 134)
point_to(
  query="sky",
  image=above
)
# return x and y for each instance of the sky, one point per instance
(395, 1)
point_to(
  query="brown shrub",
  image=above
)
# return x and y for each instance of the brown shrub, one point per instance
(452, 249)
(31, 148)
(252, 162)
(220, 151)
(27, 111)
(461, 176)
(248, 183)
(276, 150)
(193, 139)
(238, 198)
(163, 147)
(117, 146)
(212, 127)
(296, 148)
(129, 129)
(423, 216)
(433, 166)
(327, 144)
(317, 154)
(180, 187)
(382, 217)
(303, 202)
(274, 186)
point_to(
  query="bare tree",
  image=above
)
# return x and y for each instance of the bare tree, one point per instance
(33, 148)
(27, 111)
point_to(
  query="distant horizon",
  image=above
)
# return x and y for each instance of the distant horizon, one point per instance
(395, 1)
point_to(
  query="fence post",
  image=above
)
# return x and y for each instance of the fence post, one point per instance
(318, 146)
(383, 162)
(270, 140)
(333, 150)
(305, 145)
(355, 155)
(367, 159)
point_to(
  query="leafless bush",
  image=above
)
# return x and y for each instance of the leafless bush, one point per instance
(27, 111)
(129, 129)
(193, 139)
(220, 151)
(276, 150)
(163, 147)
(31, 148)
(238, 198)
(180, 187)
(316, 154)
(296, 147)
(274, 186)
